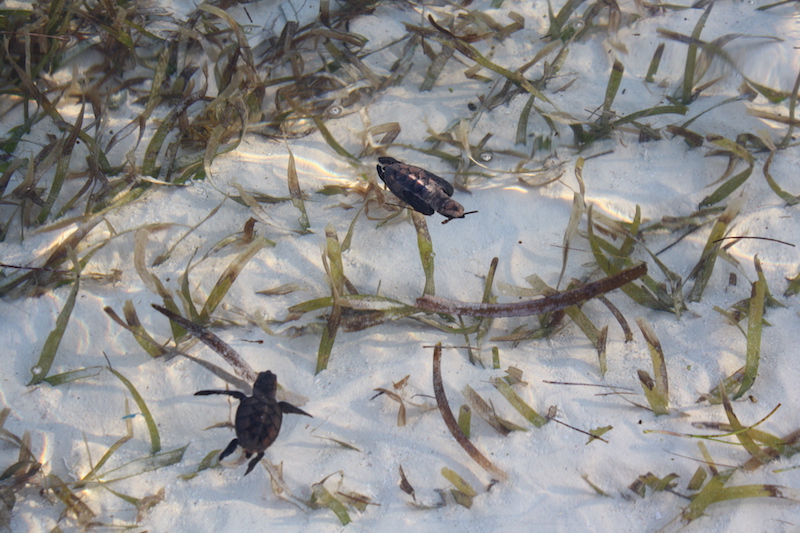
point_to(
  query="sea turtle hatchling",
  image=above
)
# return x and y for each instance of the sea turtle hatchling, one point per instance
(424, 191)
(258, 418)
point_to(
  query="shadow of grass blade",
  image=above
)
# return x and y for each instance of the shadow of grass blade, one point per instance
(338, 148)
(144, 464)
(151, 281)
(472, 53)
(50, 348)
(162, 258)
(92, 474)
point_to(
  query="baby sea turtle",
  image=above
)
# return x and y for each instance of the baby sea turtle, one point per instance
(422, 190)
(258, 418)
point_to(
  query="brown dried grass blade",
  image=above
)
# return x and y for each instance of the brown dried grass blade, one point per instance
(405, 486)
(452, 424)
(482, 408)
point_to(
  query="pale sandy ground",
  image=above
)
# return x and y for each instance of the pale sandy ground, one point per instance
(524, 228)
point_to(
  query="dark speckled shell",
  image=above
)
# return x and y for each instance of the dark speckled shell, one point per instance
(258, 418)
(424, 191)
(258, 422)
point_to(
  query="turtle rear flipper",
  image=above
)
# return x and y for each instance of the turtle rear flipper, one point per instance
(229, 450)
(254, 462)
(288, 408)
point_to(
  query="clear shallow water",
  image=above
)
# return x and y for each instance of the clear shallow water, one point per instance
(523, 227)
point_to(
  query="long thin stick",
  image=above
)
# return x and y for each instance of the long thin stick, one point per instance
(556, 302)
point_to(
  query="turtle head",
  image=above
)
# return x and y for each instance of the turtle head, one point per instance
(266, 385)
(452, 209)
(388, 161)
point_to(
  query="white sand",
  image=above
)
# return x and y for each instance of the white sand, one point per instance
(523, 227)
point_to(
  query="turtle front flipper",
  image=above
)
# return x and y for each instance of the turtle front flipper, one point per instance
(254, 462)
(288, 408)
(229, 450)
(235, 393)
